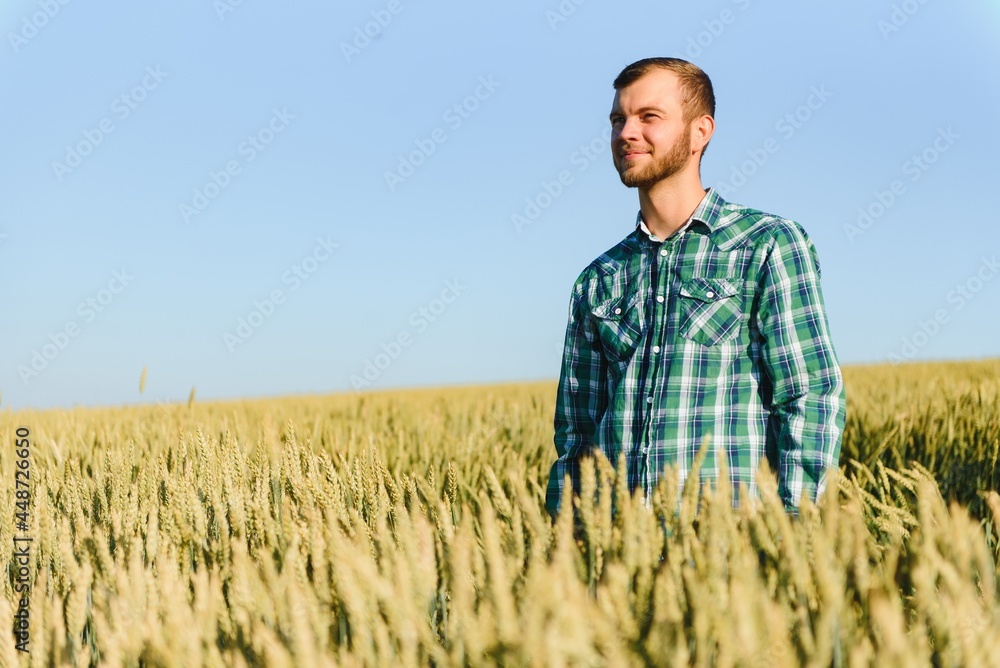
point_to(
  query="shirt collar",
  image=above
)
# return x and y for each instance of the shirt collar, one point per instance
(706, 212)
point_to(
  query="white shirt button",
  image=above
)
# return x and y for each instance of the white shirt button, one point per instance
(649, 400)
(618, 311)
(663, 252)
(656, 349)
(659, 298)
(709, 294)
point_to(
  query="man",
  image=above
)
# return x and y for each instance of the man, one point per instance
(706, 320)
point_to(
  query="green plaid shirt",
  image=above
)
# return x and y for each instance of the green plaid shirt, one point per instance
(718, 330)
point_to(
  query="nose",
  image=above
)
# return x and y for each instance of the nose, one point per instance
(628, 131)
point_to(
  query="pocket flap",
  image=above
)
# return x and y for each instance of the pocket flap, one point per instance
(711, 289)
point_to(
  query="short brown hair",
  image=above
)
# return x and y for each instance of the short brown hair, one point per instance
(699, 98)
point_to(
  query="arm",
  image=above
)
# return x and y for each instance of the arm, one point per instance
(580, 401)
(808, 399)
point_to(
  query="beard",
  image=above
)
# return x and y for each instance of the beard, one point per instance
(659, 168)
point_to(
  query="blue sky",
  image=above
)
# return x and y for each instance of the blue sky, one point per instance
(259, 199)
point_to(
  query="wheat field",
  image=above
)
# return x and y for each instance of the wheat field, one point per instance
(408, 528)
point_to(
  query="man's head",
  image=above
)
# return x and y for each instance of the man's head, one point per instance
(662, 119)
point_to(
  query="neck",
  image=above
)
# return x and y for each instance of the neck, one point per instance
(668, 204)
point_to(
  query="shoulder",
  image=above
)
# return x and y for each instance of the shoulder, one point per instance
(781, 240)
(607, 266)
(740, 225)
(618, 256)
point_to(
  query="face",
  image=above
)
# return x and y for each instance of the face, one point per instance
(650, 141)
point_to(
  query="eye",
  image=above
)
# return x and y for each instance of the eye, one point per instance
(647, 117)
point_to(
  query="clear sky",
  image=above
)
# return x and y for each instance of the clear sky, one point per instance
(257, 198)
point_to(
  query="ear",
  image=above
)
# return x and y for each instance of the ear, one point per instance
(702, 129)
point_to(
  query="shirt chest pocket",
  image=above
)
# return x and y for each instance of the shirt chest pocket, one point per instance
(619, 325)
(711, 309)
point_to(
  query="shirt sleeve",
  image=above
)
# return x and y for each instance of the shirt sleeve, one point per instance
(580, 401)
(808, 401)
